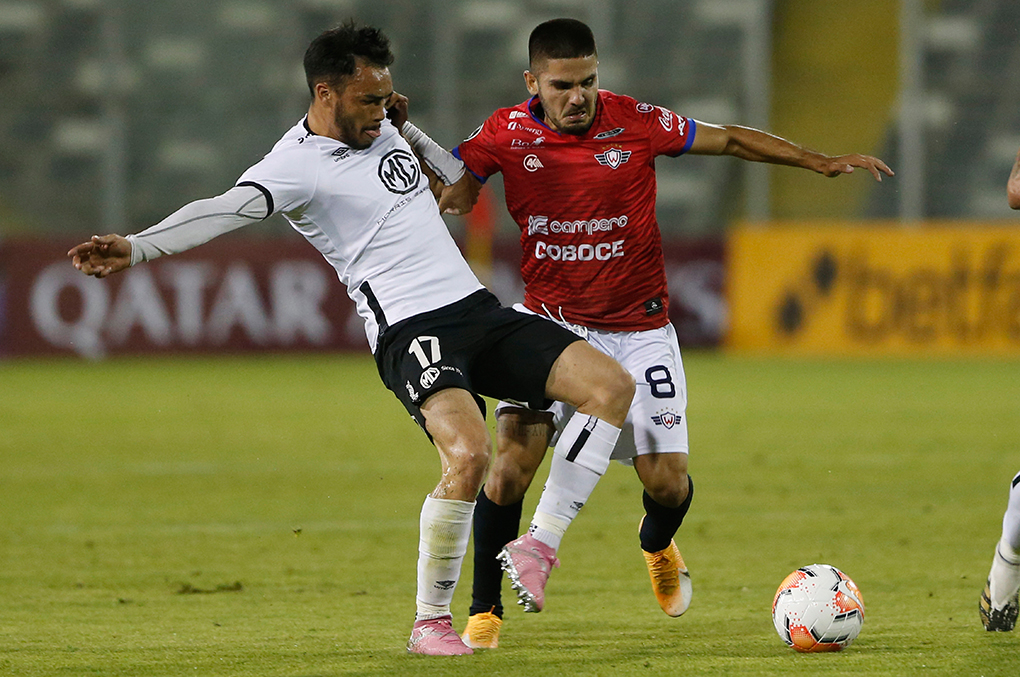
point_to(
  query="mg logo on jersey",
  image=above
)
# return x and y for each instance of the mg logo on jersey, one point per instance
(667, 418)
(538, 225)
(399, 172)
(613, 158)
(533, 164)
(428, 377)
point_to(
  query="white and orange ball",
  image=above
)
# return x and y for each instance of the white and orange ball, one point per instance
(818, 608)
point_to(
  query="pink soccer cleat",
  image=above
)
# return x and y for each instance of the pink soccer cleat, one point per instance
(436, 637)
(528, 561)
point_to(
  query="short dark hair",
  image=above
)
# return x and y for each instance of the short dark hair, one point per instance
(561, 39)
(332, 56)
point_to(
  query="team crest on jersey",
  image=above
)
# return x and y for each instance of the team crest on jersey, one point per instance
(610, 134)
(532, 163)
(399, 172)
(613, 157)
(666, 418)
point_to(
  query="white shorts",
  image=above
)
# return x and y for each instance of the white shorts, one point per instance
(657, 420)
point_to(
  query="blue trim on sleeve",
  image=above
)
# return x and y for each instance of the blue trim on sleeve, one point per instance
(690, 136)
(456, 153)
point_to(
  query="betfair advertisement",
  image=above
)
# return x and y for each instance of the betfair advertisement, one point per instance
(824, 289)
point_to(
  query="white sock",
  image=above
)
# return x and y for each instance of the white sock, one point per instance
(581, 457)
(442, 543)
(1004, 578)
(1010, 544)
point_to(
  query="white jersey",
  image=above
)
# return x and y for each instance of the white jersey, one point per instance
(372, 216)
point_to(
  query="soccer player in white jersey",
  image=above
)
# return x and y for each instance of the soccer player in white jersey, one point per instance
(346, 180)
(578, 166)
(1000, 601)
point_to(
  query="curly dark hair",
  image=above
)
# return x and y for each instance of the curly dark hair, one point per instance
(332, 56)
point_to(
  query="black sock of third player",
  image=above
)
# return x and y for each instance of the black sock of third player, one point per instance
(495, 526)
(660, 523)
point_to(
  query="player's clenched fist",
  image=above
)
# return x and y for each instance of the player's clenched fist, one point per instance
(102, 255)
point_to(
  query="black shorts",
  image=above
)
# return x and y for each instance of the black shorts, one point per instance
(475, 344)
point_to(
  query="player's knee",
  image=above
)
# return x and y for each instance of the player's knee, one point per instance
(613, 395)
(467, 455)
(506, 488)
(669, 491)
(509, 480)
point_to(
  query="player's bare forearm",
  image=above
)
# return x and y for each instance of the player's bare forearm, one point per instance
(1013, 187)
(102, 255)
(757, 146)
(459, 198)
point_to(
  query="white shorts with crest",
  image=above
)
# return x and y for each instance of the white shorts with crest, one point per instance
(657, 420)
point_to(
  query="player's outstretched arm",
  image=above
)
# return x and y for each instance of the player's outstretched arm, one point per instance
(191, 225)
(1013, 187)
(102, 255)
(758, 146)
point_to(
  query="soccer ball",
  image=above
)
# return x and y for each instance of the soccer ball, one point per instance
(818, 608)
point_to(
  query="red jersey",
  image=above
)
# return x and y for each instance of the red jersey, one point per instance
(592, 251)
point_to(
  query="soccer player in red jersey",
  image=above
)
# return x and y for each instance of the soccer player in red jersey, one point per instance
(579, 175)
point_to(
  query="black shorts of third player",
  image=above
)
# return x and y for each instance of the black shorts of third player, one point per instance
(475, 344)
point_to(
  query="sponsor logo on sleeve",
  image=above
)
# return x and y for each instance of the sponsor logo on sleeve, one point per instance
(666, 119)
(645, 107)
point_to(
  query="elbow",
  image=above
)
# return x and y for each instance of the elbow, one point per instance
(1013, 196)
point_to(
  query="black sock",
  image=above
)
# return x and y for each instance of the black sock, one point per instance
(495, 526)
(660, 523)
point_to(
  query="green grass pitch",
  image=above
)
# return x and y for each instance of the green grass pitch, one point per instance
(258, 516)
